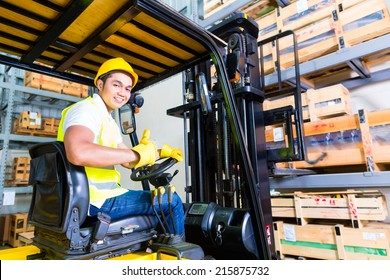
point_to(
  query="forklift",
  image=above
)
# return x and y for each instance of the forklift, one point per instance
(228, 205)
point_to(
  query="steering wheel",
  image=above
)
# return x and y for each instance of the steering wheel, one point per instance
(152, 170)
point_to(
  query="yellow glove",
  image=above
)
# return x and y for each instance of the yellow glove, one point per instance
(168, 151)
(146, 149)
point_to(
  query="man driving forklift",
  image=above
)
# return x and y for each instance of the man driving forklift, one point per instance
(92, 139)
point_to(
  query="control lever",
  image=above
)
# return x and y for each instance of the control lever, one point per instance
(171, 191)
(153, 195)
(161, 191)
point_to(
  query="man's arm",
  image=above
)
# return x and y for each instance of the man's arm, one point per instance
(81, 150)
(126, 164)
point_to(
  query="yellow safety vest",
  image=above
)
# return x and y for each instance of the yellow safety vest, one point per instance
(104, 182)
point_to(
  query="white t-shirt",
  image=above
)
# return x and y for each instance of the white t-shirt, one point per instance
(90, 116)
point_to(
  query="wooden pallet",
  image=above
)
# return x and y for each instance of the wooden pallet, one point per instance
(358, 207)
(322, 28)
(345, 141)
(332, 242)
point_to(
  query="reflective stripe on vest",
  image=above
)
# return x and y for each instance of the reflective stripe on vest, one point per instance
(104, 182)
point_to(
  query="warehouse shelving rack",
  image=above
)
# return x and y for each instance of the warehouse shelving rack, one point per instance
(10, 88)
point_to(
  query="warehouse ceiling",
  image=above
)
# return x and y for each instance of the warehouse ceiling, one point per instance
(70, 39)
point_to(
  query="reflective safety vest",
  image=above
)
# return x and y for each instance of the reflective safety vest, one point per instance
(104, 182)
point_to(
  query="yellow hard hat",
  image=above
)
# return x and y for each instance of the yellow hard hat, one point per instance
(117, 63)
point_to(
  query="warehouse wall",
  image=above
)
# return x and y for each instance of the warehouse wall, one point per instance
(164, 129)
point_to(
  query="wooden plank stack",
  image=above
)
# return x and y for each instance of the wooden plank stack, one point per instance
(322, 27)
(331, 225)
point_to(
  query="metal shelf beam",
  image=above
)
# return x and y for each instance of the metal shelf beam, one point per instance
(20, 190)
(26, 138)
(39, 92)
(327, 181)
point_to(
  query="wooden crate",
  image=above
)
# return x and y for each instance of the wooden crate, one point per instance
(359, 141)
(13, 239)
(21, 170)
(47, 128)
(53, 84)
(29, 120)
(18, 225)
(50, 125)
(317, 104)
(19, 222)
(358, 207)
(75, 89)
(322, 27)
(5, 224)
(44, 82)
(331, 242)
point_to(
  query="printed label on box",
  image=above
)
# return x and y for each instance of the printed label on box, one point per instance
(373, 236)
(289, 232)
(278, 134)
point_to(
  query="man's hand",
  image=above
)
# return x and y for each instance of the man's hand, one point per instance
(146, 149)
(168, 151)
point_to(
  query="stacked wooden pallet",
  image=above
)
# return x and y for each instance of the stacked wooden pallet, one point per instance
(331, 225)
(321, 27)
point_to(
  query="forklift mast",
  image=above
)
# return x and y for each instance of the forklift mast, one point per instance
(219, 172)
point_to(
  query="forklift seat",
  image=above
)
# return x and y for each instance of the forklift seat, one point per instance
(59, 212)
